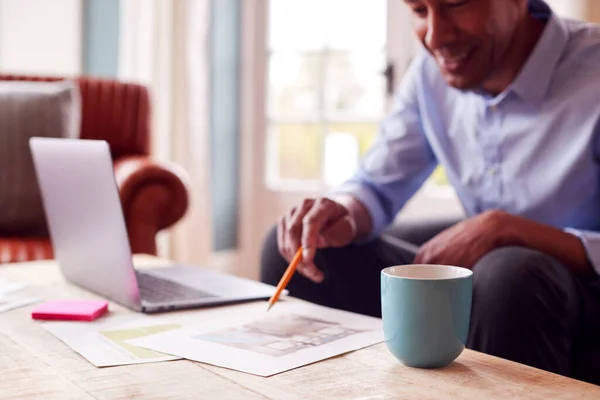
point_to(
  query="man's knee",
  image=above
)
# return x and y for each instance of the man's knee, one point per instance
(515, 287)
(514, 269)
(272, 264)
(524, 308)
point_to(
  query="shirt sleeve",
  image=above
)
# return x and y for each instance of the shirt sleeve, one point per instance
(590, 239)
(399, 161)
(591, 244)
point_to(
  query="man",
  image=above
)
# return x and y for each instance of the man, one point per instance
(506, 96)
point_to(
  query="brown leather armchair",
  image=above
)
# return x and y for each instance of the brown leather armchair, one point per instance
(154, 195)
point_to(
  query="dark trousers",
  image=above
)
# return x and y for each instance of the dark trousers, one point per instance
(527, 306)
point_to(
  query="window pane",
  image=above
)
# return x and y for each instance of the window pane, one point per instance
(297, 25)
(360, 26)
(364, 133)
(294, 85)
(439, 176)
(301, 25)
(299, 149)
(355, 86)
(325, 59)
(344, 145)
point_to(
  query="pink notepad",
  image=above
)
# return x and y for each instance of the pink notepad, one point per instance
(70, 310)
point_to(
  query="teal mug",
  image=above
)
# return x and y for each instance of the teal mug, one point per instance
(426, 311)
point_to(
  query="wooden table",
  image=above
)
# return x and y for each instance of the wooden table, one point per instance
(36, 365)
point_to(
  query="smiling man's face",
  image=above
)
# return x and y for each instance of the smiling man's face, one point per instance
(468, 38)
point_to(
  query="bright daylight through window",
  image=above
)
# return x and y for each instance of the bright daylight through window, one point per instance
(326, 90)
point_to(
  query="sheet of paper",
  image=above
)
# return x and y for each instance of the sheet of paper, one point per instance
(253, 341)
(7, 287)
(11, 296)
(14, 301)
(103, 342)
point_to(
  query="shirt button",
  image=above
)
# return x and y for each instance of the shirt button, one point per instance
(493, 107)
(492, 171)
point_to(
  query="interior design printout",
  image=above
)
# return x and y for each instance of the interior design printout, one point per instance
(254, 341)
(103, 342)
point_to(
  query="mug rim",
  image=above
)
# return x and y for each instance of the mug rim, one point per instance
(467, 272)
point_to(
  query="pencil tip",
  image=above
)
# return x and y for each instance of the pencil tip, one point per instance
(270, 305)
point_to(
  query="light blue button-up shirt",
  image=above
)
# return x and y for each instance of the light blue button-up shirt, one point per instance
(533, 150)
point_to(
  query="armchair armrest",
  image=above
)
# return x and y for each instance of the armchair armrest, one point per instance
(154, 195)
(15, 249)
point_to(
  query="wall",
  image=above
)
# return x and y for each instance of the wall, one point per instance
(593, 11)
(41, 36)
(568, 8)
(60, 37)
(588, 10)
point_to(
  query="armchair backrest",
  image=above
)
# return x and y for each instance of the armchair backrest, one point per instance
(114, 111)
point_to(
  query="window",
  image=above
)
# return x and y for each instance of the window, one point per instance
(325, 88)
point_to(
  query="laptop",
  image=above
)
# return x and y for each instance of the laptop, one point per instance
(90, 241)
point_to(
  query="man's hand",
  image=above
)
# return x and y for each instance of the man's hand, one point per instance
(465, 243)
(314, 224)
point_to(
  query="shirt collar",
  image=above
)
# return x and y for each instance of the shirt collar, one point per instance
(533, 80)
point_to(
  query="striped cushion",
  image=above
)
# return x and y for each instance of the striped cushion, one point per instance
(28, 109)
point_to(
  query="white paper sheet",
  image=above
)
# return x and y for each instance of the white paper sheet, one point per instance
(12, 302)
(7, 287)
(251, 340)
(103, 341)
(11, 298)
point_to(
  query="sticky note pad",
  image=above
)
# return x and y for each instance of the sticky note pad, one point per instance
(70, 310)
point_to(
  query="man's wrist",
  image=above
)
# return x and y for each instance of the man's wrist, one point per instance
(506, 227)
(357, 213)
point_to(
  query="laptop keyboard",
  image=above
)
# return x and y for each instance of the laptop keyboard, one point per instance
(157, 290)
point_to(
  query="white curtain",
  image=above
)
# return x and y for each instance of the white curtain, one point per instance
(164, 46)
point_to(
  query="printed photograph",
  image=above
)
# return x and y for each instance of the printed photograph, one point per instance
(280, 336)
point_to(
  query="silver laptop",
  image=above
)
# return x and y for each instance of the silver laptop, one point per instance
(90, 242)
